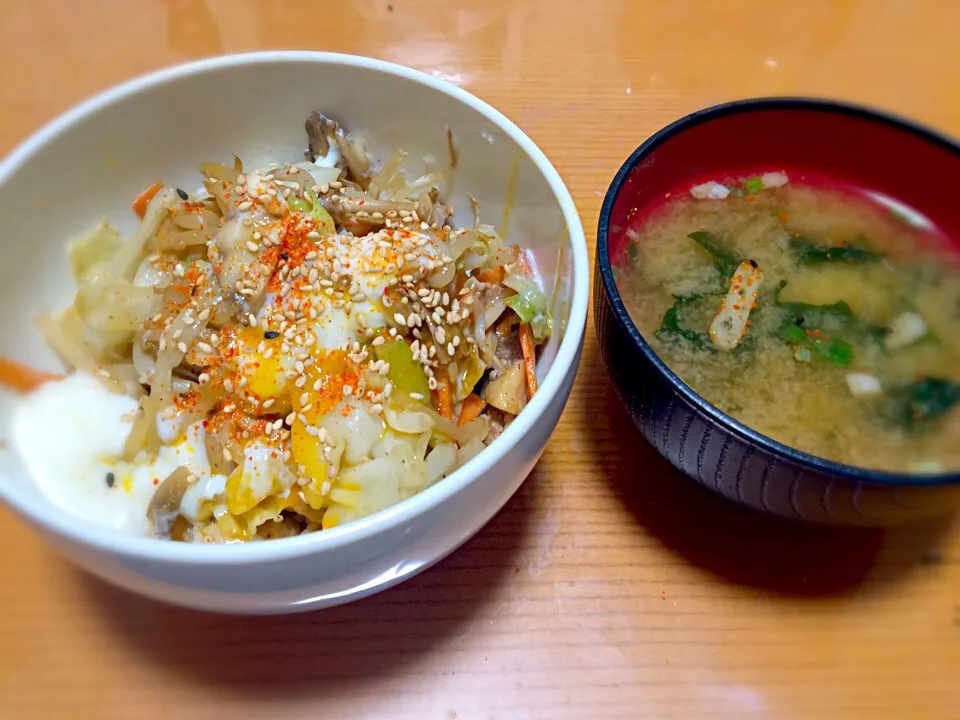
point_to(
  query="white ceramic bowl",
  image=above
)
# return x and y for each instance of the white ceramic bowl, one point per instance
(88, 164)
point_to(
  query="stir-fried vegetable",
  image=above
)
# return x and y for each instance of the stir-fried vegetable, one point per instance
(141, 201)
(530, 304)
(405, 373)
(22, 378)
(335, 342)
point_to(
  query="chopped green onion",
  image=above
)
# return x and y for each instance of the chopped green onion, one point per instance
(753, 184)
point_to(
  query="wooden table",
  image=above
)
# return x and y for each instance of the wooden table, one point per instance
(609, 586)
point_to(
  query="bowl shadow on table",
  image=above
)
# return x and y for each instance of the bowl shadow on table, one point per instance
(739, 544)
(330, 652)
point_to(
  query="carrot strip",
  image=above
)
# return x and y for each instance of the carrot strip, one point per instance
(494, 276)
(528, 347)
(444, 397)
(21, 378)
(473, 405)
(140, 204)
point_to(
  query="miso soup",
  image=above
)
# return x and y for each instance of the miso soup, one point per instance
(822, 316)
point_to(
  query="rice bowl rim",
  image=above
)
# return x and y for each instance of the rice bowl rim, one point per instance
(62, 523)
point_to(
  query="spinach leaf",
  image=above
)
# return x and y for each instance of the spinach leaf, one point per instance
(811, 253)
(672, 330)
(724, 260)
(834, 316)
(923, 400)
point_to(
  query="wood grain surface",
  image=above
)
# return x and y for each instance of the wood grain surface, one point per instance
(609, 587)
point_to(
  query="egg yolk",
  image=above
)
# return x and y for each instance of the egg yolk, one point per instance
(263, 367)
(332, 375)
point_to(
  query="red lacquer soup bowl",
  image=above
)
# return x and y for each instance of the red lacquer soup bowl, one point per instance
(849, 145)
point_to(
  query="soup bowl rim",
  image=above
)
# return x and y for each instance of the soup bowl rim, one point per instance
(716, 416)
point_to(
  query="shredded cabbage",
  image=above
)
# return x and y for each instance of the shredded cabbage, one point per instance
(530, 304)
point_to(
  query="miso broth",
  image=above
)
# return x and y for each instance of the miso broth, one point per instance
(849, 311)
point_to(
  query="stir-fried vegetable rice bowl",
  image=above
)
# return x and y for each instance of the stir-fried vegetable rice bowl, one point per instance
(344, 330)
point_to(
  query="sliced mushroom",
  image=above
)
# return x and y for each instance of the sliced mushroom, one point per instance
(164, 507)
(319, 129)
(508, 391)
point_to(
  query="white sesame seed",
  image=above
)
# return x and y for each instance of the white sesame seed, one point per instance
(400, 319)
(177, 334)
(182, 347)
(311, 430)
(178, 270)
(163, 344)
(301, 381)
(228, 385)
(416, 396)
(412, 320)
(203, 378)
(268, 403)
(245, 205)
(307, 408)
(331, 471)
(204, 347)
(227, 456)
(432, 383)
(252, 246)
(290, 418)
(378, 341)
(451, 349)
